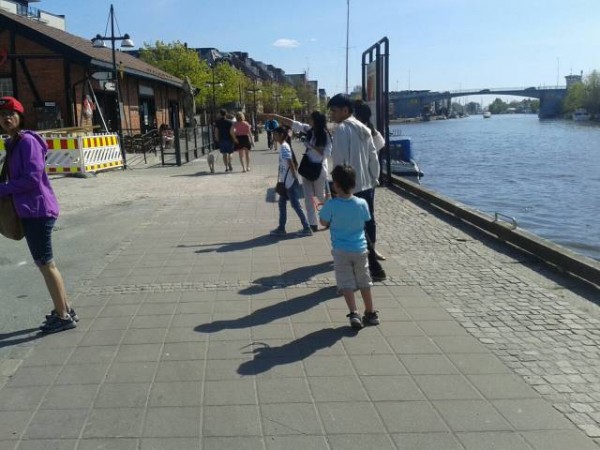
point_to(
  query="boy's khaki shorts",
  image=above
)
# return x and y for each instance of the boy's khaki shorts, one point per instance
(351, 270)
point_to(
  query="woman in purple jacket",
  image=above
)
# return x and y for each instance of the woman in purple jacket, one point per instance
(36, 205)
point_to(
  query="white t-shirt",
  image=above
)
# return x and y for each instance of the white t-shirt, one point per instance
(378, 140)
(285, 172)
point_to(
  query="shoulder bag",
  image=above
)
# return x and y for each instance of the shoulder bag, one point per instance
(280, 186)
(308, 169)
(10, 223)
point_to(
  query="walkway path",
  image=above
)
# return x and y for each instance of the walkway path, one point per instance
(200, 331)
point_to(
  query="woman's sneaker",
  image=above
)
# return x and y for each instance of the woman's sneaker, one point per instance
(277, 232)
(72, 313)
(371, 318)
(56, 324)
(355, 321)
(304, 232)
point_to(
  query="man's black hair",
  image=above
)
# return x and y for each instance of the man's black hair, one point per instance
(340, 101)
(345, 177)
(223, 112)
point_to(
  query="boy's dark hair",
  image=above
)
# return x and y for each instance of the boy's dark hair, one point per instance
(345, 177)
(223, 112)
(340, 101)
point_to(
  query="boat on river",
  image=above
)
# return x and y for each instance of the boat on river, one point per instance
(487, 115)
(581, 115)
(402, 162)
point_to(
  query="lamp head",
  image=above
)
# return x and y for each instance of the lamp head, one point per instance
(98, 42)
(127, 42)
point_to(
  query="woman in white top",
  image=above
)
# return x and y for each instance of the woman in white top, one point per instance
(362, 112)
(318, 148)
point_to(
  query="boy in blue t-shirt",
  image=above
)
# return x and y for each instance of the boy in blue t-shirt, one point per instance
(346, 216)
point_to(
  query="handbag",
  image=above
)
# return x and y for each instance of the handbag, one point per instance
(10, 223)
(308, 169)
(280, 187)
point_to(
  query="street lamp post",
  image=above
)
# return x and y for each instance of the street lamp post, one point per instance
(255, 112)
(277, 96)
(126, 42)
(213, 83)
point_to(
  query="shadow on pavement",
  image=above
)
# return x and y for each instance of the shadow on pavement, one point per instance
(11, 339)
(289, 278)
(270, 313)
(225, 247)
(199, 174)
(266, 357)
(270, 196)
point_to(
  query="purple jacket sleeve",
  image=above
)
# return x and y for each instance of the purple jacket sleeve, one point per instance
(30, 163)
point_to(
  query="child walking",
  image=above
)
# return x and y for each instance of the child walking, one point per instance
(288, 175)
(346, 216)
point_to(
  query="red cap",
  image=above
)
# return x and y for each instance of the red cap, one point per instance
(11, 104)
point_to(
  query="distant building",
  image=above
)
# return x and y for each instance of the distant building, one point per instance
(573, 79)
(22, 8)
(53, 72)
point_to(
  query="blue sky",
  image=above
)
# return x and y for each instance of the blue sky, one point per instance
(434, 44)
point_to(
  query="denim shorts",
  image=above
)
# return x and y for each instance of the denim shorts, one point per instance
(38, 233)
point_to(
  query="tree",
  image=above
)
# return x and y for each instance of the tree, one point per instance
(592, 93)
(473, 108)
(178, 60)
(498, 106)
(575, 98)
(584, 95)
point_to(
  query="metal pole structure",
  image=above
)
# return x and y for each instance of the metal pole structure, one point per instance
(347, 40)
(117, 86)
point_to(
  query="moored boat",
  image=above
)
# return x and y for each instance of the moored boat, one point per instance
(581, 115)
(487, 114)
(402, 162)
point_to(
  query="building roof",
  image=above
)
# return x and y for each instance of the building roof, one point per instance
(81, 49)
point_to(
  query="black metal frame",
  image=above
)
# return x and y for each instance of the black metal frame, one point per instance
(382, 100)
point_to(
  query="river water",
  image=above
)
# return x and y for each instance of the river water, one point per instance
(545, 173)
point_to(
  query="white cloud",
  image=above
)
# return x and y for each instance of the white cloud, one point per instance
(286, 43)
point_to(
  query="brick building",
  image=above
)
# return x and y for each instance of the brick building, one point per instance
(52, 72)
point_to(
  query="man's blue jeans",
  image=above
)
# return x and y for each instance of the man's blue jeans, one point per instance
(293, 195)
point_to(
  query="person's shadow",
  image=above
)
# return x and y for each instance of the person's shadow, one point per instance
(266, 357)
(225, 247)
(11, 339)
(289, 278)
(270, 313)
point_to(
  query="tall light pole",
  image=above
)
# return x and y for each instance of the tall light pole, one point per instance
(126, 42)
(213, 83)
(254, 91)
(347, 39)
(277, 96)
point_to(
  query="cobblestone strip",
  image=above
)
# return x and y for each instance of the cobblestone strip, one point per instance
(544, 332)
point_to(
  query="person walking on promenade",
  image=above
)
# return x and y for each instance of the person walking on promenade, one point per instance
(362, 112)
(353, 145)
(270, 126)
(318, 149)
(36, 206)
(346, 216)
(243, 139)
(225, 137)
(288, 175)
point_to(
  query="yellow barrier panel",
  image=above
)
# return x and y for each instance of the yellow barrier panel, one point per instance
(79, 155)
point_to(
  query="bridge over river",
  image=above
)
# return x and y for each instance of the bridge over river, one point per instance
(413, 103)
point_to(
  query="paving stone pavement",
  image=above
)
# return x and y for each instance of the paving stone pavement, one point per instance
(201, 331)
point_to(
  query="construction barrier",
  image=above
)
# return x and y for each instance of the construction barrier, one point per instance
(83, 154)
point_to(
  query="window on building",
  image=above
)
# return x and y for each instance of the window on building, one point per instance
(6, 87)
